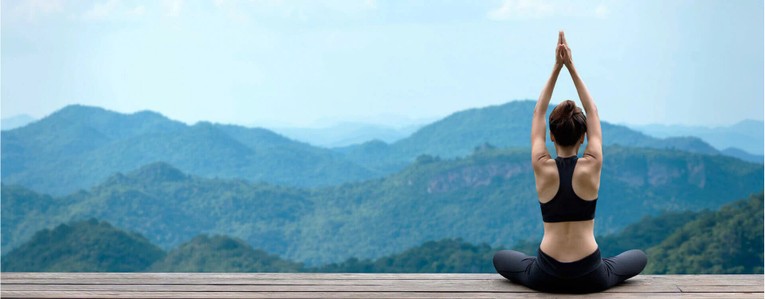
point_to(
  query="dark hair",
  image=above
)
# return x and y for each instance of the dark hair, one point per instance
(567, 123)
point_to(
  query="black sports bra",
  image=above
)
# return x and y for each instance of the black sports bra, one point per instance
(566, 205)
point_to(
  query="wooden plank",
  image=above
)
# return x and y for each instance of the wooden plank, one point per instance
(498, 285)
(290, 276)
(344, 285)
(48, 294)
(721, 289)
(234, 281)
(724, 279)
(642, 280)
(444, 287)
(116, 281)
(246, 278)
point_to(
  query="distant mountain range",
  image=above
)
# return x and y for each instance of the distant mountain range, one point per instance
(747, 135)
(79, 146)
(677, 243)
(345, 134)
(9, 123)
(506, 125)
(486, 197)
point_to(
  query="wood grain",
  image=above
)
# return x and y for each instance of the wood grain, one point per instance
(347, 285)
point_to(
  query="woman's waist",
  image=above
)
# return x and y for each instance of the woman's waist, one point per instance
(568, 247)
(570, 232)
(581, 266)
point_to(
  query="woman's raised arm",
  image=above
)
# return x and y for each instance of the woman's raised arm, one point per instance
(594, 149)
(539, 151)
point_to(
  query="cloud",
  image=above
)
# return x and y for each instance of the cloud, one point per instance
(173, 7)
(302, 10)
(513, 9)
(101, 10)
(540, 9)
(113, 10)
(601, 10)
(31, 10)
(137, 11)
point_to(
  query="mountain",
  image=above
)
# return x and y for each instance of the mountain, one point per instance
(728, 240)
(25, 212)
(346, 133)
(79, 146)
(734, 152)
(746, 135)
(86, 246)
(221, 254)
(16, 121)
(506, 125)
(443, 256)
(724, 241)
(646, 233)
(487, 197)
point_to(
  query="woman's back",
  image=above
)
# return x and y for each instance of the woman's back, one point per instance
(569, 241)
(569, 224)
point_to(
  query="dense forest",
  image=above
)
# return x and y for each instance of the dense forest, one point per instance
(728, 240)
(87, 246)
(79, 147)
(486, 197)
(457, 189)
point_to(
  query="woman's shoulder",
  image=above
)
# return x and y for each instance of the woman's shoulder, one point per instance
(590, 162)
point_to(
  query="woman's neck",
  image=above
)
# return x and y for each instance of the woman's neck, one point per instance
(567, 151)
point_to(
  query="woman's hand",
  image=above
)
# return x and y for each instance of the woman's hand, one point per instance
(563, 52)
(559, 50)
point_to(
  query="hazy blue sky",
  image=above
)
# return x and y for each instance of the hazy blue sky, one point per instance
(299, 62)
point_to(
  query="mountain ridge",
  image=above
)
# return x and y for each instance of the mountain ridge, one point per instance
(83, 145)
(433, 198)
(504, 125)
(78, 146)
(739, 223)
(746, 135)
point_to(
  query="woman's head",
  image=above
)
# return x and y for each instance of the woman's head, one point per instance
(567, 124)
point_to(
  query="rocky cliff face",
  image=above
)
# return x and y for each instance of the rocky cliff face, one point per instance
(475, 176)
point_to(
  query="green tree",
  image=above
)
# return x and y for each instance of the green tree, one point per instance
(86, 246)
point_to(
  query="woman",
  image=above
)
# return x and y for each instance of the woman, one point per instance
(568, 259)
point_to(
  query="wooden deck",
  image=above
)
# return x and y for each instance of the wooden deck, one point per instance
(309, 285)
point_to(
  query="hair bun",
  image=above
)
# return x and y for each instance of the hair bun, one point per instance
(567, 123)
(568, 108)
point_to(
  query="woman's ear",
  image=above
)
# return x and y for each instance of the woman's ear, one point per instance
(581, 139)
(552, 138)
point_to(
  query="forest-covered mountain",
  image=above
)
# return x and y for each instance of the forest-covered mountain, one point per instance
(746, 135)
(443, 256)
(8, 123)
(689, 242)
(487, 197)
(346, 133)
(725, 241)
(221, 254)
(78, 147)
(740, 154)
(506, 125)
(85, 246)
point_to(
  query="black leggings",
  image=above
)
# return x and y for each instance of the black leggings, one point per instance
(590, 274)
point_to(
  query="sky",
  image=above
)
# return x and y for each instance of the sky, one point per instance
(311, 63)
